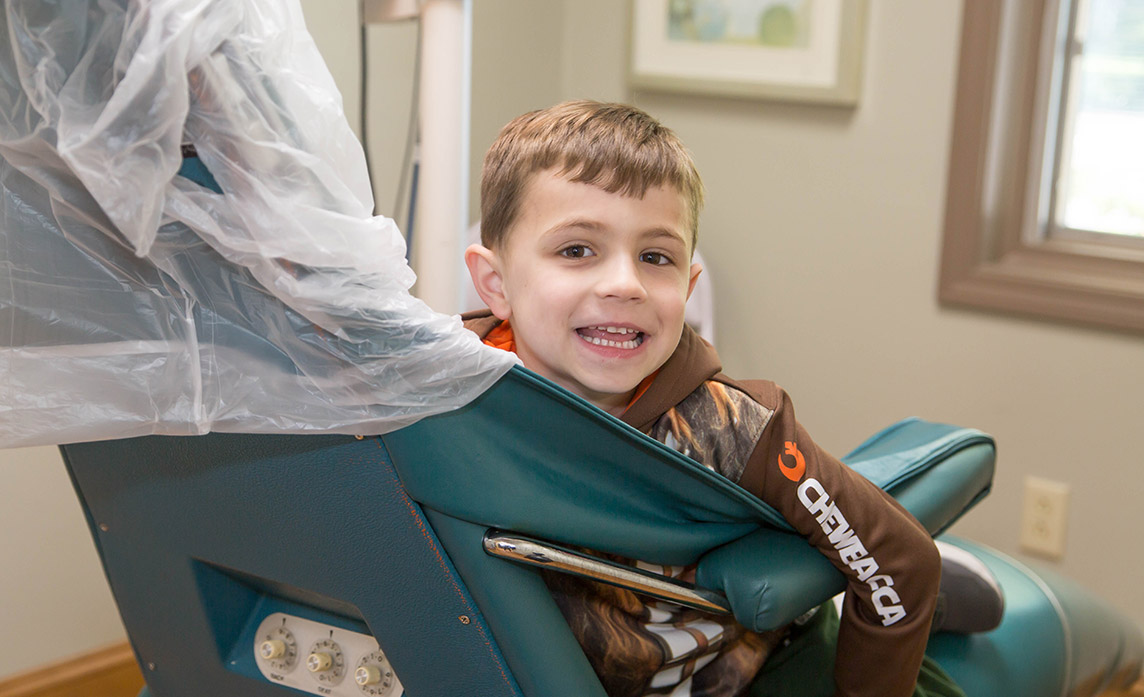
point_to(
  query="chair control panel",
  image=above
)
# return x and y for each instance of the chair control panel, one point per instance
(322, 659)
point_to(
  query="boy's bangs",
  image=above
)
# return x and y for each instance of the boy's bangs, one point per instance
(616, 176)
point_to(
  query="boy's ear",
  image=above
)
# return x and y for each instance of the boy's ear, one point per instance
(485, 270)
(696, 269)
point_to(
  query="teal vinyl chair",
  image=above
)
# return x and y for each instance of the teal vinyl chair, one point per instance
(236, 558)
(371, 554)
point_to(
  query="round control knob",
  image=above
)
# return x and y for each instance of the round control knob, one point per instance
(277, 649)
(326, 662)
(272, 648)
(367, 675)
(319, 662)
(374, 676)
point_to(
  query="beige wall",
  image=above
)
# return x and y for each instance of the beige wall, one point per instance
(54, 600)
(822, 235)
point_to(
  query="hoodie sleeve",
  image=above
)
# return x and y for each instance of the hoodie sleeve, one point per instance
(890, 562)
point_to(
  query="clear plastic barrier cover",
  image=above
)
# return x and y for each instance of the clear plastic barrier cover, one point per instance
(135, 301)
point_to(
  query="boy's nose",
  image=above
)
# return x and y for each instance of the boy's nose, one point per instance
(621, 280)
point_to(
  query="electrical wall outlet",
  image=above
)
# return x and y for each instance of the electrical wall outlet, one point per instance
(1044, 517)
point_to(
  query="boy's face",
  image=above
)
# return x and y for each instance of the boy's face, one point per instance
(595, 284)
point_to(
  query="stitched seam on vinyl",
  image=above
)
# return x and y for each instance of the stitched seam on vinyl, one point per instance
(420, 522)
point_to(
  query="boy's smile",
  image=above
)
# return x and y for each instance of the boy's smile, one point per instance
(594, 284)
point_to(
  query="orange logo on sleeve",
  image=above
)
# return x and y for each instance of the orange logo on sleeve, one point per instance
(793, 473)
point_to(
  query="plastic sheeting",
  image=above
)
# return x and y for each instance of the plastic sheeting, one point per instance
(135, 301)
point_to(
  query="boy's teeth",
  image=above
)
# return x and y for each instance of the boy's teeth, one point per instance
(622, 337)
(630, 344)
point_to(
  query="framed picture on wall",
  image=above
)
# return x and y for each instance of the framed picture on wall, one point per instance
(794, 50)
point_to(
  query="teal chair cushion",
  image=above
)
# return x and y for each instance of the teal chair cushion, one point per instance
(548, 464)
(1055, 638)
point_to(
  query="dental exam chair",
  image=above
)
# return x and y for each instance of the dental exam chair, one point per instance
(404, 564)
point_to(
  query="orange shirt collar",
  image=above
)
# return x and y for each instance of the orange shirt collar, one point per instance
(501, 337)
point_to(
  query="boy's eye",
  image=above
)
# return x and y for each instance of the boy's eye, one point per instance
(575, 251)
(656, 258)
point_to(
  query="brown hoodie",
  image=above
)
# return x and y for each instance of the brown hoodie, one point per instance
(747, 432)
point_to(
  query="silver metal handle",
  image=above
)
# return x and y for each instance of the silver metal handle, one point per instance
(533, 552)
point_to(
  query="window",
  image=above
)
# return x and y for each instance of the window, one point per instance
(1045, 205)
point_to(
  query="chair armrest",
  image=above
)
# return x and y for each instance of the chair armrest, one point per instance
(770, 577)
(936, 471)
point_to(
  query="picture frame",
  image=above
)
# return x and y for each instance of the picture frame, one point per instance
(790, 50)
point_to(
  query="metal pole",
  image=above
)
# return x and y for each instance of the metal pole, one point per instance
(442, 199)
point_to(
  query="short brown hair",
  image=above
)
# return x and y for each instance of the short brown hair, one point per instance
(616, 147)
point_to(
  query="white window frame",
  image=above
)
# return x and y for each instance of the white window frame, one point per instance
(998, 252)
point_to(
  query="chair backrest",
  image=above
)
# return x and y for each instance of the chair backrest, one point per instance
(548, 464)
(202, 538)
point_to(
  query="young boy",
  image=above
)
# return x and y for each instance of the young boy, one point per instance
(589, 222)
